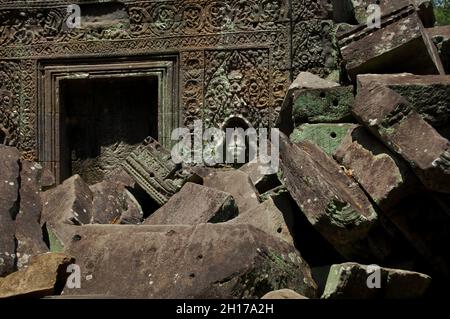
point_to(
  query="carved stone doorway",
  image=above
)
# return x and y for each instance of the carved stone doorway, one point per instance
(102, 121)
(91, 115)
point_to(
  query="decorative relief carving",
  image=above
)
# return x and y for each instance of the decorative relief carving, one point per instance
(237, 82)
(311, 9)
(314, 47)
(248, 75)
(17, 94)
(192, 85)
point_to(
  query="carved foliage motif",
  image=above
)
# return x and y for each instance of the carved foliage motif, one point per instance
(314, 47)
(192, 85)
(311, 9)
(237, 82)
(17, 89)
(248, 75)
(156, 18)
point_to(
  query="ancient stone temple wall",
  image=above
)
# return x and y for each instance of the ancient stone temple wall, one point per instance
(214, 59)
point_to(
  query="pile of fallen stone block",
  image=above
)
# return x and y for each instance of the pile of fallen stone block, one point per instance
(360, 207)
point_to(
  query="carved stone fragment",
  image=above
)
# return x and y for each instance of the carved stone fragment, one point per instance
(392, 118)
(401, 45)
(150, 165)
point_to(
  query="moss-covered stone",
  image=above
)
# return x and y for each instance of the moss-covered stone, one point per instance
(327, 136)
(353, 281)
(331, 105)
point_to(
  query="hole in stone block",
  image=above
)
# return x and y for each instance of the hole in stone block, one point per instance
(102, 120)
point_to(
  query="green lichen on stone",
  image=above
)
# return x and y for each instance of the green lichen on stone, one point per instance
(278, 191)
(56, 246)
(327, 136)
(432, 102)
(333, 281)
(344, 215)
(275, 272)
(331, 105)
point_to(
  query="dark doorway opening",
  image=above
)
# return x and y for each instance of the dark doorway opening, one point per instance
(102, 120)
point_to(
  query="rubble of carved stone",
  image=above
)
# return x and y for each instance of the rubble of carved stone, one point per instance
(359, 208)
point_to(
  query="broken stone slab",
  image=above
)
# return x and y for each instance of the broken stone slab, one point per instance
(278, 222)
(424, 9)
(283, 294)
(385, 177)
(262, 181)
(151, 166)
(324, 105)
(441, 38)
(47, 180)
(9, 206)
(45, 275)
(327, 136)
(425, 223)
(392, 118)
(429, 95)
(195, 204)
(70, 203)
(304, 81)
(355, 281)
(238, 184)
(401, 45)
(133, 213)
(29, 237)
(206, 261)
(332, 201)
(112, 201)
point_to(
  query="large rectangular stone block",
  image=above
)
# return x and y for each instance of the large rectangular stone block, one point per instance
(400, 45)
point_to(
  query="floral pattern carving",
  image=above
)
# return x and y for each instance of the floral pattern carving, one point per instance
(235, 56)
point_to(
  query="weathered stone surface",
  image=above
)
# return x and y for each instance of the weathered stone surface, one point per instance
(384, 176)
(29, 237)
(327, 136)
(304, 81)
(424, 8)
(333, 203)
(392, 118)
(204, 261)
(195, 204)
(151, 166)
(278, 222)
(46, 275)
(9, 206)
(111, 202)
(441, 38)
(325, 105)
(257, 173)
(47, 180)
(425, 223)
(238, 184)
(350, 281)
(429, 95)
(68, 204)
(401, 45)
(283, 294)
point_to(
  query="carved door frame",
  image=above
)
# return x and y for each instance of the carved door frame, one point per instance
(51, 73)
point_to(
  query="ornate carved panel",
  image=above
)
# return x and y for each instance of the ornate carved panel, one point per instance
(236, 56)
